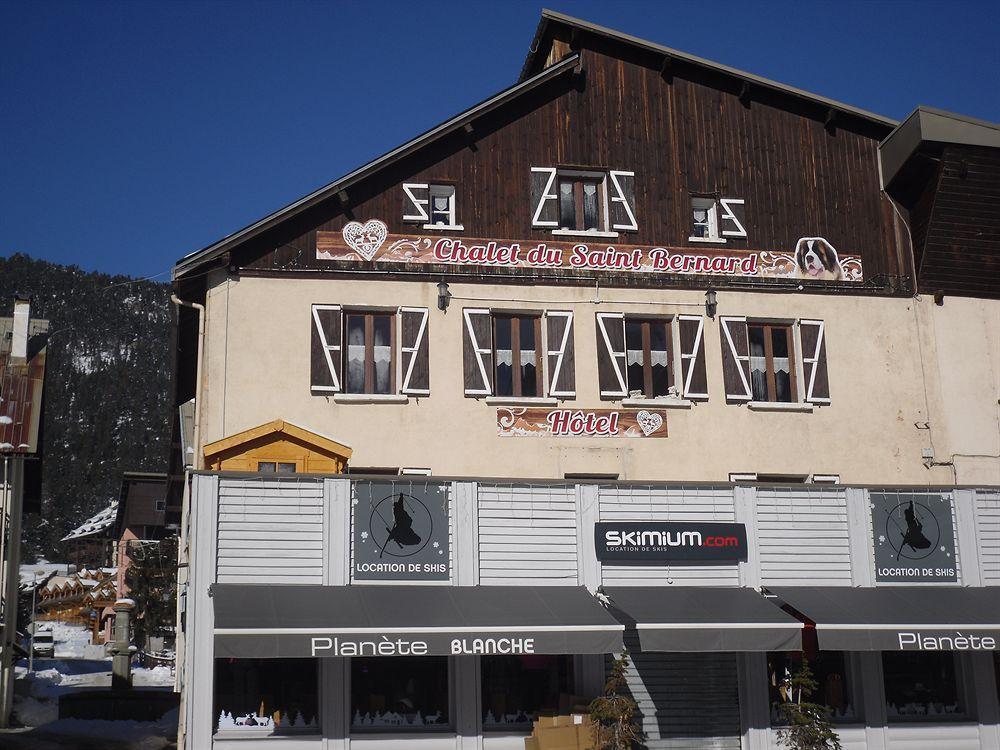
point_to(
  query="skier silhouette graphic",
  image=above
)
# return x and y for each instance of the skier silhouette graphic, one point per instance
(402, 532)
(914, 535)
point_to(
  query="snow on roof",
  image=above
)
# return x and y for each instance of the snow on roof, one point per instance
(95, 524)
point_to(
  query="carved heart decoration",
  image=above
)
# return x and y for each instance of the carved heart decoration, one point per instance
(365, 239)
(649, 422)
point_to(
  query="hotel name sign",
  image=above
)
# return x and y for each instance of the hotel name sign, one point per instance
(812, 259)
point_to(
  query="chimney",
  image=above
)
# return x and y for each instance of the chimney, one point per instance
(19, 340)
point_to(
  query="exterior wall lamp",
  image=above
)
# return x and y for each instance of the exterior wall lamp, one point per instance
(711, 303)
(444, 296)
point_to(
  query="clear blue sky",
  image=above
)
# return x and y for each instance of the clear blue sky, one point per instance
(132, 133)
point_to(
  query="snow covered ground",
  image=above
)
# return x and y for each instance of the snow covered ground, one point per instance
(36, 701)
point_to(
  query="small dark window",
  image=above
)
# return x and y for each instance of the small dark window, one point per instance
(259, 694)
(772, 370)
(399, 694)
(442, 199)
(368, 354)
(647, 350)
(922, 686)
(580, 203)
(833, 687)
(517, 689)
(281, 467)
(266, 467)
(517, 352)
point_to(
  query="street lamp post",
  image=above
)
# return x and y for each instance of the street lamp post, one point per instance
(34, 624)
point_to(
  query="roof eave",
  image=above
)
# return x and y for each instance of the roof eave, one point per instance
(190, 262)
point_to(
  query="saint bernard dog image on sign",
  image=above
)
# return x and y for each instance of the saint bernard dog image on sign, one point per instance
(815, 258)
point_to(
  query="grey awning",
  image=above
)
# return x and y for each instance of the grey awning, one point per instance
(301, 620)
(704, 618)
(899, 618)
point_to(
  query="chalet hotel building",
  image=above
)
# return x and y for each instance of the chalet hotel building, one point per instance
(643, 351)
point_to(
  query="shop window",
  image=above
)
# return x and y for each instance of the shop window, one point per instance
(922, 686)
(369, 353)
(517, 353)
(517, 689)
(267, 696)
(276, 467)
(772, 372)
(647, 350)
(399, 694)
(833, 686)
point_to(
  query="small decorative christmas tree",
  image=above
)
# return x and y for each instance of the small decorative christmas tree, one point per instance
(614, 713)
(808, 724)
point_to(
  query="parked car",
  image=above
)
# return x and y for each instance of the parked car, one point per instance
(44, 644)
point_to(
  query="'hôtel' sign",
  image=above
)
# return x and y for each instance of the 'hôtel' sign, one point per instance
(813, 258)
(603, 423)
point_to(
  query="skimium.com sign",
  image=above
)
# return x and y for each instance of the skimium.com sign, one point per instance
(657, 543)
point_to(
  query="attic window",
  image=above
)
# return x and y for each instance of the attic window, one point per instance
(276, 467)
(433, 206)
(715, 219)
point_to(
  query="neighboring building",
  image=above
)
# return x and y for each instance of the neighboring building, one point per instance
(83, 598)
(92, 543)
(22, 379)
(641, 330)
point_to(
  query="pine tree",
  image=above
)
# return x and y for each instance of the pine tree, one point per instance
(152, 583)
(808, 724)
(614, 713)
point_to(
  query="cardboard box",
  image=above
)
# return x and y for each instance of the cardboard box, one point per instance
(558, 738)
(585, 736)
(531, 743)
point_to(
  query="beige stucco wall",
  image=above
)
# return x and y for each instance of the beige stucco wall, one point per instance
(257, 369)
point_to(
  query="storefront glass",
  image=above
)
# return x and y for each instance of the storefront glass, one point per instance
(516, 689)
(833, 686)
(922, 686)
(265, 696)
(399, 694)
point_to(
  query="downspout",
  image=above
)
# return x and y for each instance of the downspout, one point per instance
(196, 439)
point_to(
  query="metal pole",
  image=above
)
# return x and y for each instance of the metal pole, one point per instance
(34, 627)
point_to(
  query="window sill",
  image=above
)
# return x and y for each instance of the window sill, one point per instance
(583, 233)
(708, 240)
(445, 227)
(370, 398)
(290, 733)
(514, 401)
(778, 406)
(663, 403)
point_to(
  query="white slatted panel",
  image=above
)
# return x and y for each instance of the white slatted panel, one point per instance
(934, 737)
(407, 485)
(657, 503)
(527, 534)
(270, 530)
(988, 534)
(803, 536)
(686, 701)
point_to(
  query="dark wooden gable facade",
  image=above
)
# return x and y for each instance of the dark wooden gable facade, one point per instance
(802, 168)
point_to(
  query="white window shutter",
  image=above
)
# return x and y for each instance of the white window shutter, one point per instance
(560, 354)
(414, 352)
(694, 381)
(735, 358)
(325, 349)
(611, 355)
(477, 349)
(817, 382)
(416, 201)
(623, 201)
(544, 198)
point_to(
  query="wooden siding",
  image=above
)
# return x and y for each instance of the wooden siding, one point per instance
(686, 701)
(270, 531)
(803, 536)
(680, 136)
(988, 535)
(527, 535)
(659, 503)
(961, 242)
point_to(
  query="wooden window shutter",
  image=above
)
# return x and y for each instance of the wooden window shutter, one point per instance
(732, 217)
(544, 198)
(415, 352)
(611, 355)
(560, 358)
(735, 358)
(622, 204)
(694, 381)
(325, 359)
(416, 199)
(817, 383)
(477, 350)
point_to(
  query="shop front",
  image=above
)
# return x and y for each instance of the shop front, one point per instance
(450, 614)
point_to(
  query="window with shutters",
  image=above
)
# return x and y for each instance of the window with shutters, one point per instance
(651, 358)
(519, 355)
(369, 353)
(715, 219)
(772, 369)
(431, 205)
(587, 202)
(647, 355)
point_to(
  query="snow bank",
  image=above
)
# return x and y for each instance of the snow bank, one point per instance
(159, 676)
(33, 713)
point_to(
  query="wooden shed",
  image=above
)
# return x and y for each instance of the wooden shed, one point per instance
(278, 447)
